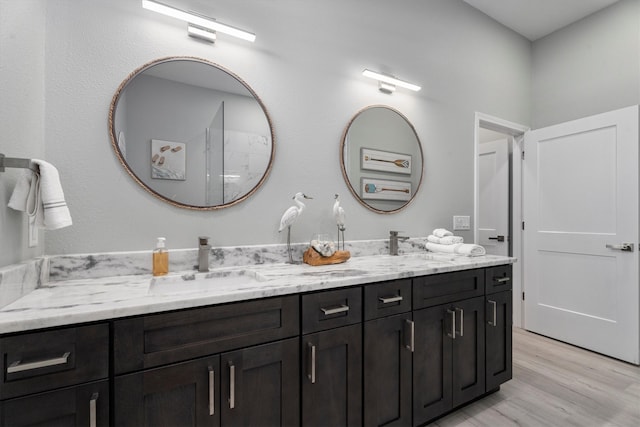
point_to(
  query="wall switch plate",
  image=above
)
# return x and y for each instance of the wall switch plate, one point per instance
(461, 222)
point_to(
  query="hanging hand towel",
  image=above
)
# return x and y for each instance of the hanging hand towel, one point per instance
(447, 240)
(467, 249)
(41, 195)
(441, 232)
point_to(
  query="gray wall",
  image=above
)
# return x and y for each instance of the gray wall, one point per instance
(587, 68)
(305, 65)
(22, 113)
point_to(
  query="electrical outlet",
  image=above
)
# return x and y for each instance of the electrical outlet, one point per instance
(461, 222)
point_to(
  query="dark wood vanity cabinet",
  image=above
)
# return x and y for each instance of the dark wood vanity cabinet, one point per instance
(331, 351)
(499, 321)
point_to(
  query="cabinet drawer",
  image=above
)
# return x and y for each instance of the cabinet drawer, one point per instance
(40, 361)
(387, 298)
(331, 309)
(160, 339)
(498, 279)
(442, 288)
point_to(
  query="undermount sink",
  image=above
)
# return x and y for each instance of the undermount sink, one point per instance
(203, 282)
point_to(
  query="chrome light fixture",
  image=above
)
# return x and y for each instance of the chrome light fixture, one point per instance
(198, 20)
(201, 33)
(387, 84)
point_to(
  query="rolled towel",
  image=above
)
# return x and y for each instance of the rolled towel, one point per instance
(447, 240)
(468, 249)
(441, 232)
(40, 195)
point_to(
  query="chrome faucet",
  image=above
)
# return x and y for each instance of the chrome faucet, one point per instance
(393, 242)
(203, 254)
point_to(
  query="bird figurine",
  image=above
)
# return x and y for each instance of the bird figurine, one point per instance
(339, 216)
(290, 216)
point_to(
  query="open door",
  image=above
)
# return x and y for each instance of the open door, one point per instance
(581, 233)
(493, 197)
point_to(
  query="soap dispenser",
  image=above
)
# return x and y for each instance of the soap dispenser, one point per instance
(160, 258)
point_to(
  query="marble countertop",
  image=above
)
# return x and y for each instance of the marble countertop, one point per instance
(86, 300)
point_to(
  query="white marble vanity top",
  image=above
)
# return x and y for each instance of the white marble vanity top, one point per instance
(68, 302)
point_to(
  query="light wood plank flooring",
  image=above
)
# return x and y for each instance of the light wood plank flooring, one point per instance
(556, 384)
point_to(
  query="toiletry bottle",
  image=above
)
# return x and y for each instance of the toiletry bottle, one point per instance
(160, 258)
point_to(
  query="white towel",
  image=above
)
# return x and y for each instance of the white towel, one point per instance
(467, 249)
(40, 195)
(441, 232)
(447, 240)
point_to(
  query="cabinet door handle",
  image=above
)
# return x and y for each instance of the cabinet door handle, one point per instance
(212, 391)
(232, 386)
(389, 300)
(18, 366)
(335, 310)
(412, 334)
(312, 363)
(502, 279)
(452, 334)
(494, 309)
(461, 311)
(92, 410)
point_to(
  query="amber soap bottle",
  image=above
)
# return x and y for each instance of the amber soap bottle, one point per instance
(160, 258)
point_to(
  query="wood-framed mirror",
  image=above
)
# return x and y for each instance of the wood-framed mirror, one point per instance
(191, 133)
(381, 159)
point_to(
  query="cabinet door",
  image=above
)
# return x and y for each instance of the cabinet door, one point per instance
(260, 385)
(332, 377)
(86, 405)
(499, 317)
(183, 394)
(468, 351)
(388, 344)
(432, 394)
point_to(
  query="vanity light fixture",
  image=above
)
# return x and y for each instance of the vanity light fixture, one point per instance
(198, 20)
(387, 84)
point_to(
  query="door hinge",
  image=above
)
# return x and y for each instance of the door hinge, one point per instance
(522, 296)
(523, 225)
(523, 155)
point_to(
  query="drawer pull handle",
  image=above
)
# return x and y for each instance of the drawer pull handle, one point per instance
(232, 386)
(312, 363)
(335, 310)
(389, 300)
(412, 335)
(494, 307)
(18, 366)
(461, 311)
(92, 410)
(212, 382)
(502, 279)
(452, 334)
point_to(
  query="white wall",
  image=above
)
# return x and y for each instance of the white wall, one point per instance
(306, 67)
(590, 67)
(22, 111)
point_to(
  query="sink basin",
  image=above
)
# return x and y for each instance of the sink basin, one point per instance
(203, 282)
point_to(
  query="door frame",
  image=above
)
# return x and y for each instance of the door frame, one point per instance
(516, 132)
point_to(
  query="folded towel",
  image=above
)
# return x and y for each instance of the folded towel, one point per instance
(441, 232)
(447, 240)
(40, 195)
(467, 249)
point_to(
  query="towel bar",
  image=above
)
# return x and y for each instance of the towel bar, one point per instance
(11, 162)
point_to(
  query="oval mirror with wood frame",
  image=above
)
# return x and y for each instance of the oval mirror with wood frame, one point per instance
(191, 133)
(381, 159)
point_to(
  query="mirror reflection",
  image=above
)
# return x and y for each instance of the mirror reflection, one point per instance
(191, 133)
(381, 159)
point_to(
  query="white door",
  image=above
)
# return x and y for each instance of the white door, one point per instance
(580, 190)
(493, 197)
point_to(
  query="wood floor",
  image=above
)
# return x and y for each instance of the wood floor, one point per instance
(556, 384)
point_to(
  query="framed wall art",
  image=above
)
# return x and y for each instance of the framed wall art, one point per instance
(385, 161)
(168, 160)
(382, 189)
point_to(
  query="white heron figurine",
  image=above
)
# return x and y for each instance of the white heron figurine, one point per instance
(290, 216)
(339, 216)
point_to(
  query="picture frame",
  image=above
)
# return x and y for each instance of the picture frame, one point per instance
(382, 189)
(385, 161)
(168, 160)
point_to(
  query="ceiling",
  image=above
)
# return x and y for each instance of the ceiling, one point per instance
(537, 18)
